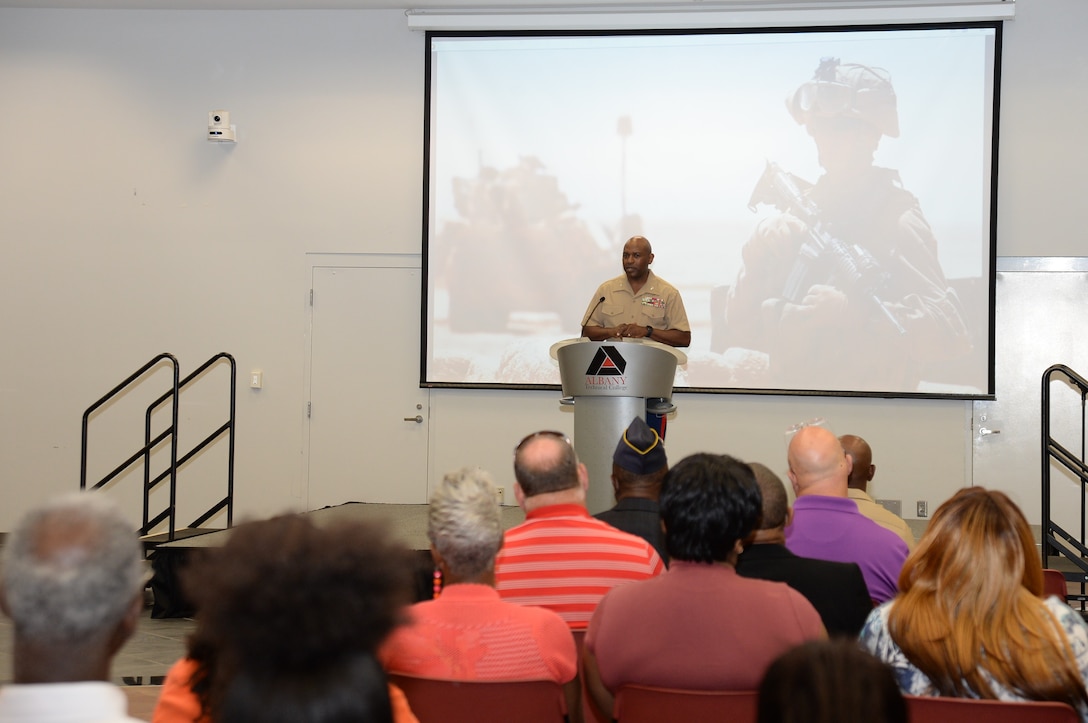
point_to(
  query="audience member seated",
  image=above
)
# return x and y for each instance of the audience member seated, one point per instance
(72, 584)
(970, 620)
(830, 681)
(826, 522)
(638, 466)
(289, 619)
(700, 625)
(560, 558)
(178, 703)
(468, 632)
(836, 589)
(861, 474)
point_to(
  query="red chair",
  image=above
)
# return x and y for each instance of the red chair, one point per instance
(584, 711)
(924, 709)
(646, 704)
(1054, 583)
(449, 701)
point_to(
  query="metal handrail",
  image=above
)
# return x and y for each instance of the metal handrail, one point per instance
(1052, 450)
(175, 463)
(144, 451)
(152, 442)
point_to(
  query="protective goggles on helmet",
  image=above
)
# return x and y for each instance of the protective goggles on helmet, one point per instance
(832, 98)
(827, 98)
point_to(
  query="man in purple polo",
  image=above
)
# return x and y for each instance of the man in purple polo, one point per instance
(827, 524)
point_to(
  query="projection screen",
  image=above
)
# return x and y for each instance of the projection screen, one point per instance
(821, 198)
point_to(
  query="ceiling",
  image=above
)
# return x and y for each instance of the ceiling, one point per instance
(552, 5)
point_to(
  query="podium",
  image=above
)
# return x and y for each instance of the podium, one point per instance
(609, 383)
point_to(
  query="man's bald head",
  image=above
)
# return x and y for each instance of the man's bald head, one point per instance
(545, 462)
(637, 257)
(641, 243)
(776, 504)
(862, 457)
(818, 464)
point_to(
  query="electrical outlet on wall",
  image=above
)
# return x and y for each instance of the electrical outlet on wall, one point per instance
(923, 508)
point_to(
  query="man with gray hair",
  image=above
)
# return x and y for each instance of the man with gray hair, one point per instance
(468, 632)
(72, 584)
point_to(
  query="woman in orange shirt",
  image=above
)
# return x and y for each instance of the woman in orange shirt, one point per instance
(289, 616)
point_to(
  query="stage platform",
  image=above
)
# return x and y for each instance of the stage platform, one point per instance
(408, 523)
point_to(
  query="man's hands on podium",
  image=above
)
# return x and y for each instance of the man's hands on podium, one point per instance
(600, 333)
(672, 337)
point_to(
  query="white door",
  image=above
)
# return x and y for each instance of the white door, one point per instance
(367, 414)
(1039, 322)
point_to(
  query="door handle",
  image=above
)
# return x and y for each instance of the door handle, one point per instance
(418, 419)
(983, 431)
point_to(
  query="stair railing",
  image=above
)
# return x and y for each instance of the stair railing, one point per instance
(227, 501)
(144, 453)
(1071, 548)
(152, 441)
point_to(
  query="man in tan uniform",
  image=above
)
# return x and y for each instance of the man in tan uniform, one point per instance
(860, 476)
(638, 304)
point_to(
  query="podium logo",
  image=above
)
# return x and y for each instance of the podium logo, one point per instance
(607, 362)
(607, 369)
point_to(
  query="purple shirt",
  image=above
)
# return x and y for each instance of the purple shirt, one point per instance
(832, 528)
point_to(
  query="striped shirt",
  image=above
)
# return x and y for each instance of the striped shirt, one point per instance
(562, 559)
(469, 633)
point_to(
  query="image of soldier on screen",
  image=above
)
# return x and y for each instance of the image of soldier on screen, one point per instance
(842, 288)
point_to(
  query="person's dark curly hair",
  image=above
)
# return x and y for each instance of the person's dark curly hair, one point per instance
(284, 598)
(350, 693)
(829, 681)
(708, 502)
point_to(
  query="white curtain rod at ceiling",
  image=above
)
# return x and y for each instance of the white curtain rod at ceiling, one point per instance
(768, 13)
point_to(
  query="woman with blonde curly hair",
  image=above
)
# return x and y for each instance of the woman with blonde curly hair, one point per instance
(970, 620)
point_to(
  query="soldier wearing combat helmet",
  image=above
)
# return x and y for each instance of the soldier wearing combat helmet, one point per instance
(843, 289)
(849, 90)
(846, 108)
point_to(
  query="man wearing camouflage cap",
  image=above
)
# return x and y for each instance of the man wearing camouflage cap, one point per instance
(638, 466)
(843, 289)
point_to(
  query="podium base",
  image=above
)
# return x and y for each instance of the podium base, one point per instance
(599, 422)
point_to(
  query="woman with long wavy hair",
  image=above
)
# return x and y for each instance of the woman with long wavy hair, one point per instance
(970, 620)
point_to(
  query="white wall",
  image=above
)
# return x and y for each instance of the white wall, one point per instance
(1043, 146)
(123, 233)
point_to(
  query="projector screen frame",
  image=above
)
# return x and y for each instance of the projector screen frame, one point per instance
(983, 328)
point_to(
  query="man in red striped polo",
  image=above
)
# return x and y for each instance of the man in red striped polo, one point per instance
(561, 558)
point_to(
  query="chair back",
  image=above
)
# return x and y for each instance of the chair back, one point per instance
(646, 704)
(1054, 583)
(925, 709)
(584, 711)
(435, 700)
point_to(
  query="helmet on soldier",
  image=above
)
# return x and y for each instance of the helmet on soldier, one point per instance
(848, 90)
